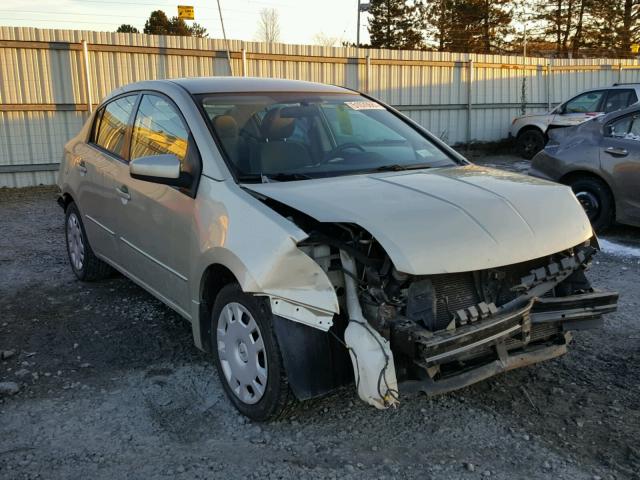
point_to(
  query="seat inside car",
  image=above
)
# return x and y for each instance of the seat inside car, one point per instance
(277, 152)
(229, 134)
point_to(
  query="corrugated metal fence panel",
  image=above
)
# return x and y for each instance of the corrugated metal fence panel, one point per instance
(430, 87)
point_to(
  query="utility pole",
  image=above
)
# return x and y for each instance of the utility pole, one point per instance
(226, 42)
(524, 47)
(362, 7)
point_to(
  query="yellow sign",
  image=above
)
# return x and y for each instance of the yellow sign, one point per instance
(186, 12)
(635, 48)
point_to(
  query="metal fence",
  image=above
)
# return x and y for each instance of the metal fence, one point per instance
(48, 79)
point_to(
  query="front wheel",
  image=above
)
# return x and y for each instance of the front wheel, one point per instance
(247, 355)
(596, 199)
(529, 143)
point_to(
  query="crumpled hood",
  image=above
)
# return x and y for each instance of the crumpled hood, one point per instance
(445, 220)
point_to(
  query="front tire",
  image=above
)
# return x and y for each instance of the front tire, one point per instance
(596, 199)
(247, 355)
(84, 263)
(529, 143)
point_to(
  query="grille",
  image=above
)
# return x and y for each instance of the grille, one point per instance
(453, 292)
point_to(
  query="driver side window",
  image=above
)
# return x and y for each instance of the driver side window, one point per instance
(586, 103)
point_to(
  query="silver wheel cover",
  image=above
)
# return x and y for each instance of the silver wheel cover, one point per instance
(75, 242)
(242, 353)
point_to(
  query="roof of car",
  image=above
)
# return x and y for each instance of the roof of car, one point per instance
(198, 85)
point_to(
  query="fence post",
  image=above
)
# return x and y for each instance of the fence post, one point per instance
(620, 73)
(469, 100)
(244, 62)
(548, 85)
(367, 73)
(87, 75)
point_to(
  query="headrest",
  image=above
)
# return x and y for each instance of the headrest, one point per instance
(275, 127)
(225, 126)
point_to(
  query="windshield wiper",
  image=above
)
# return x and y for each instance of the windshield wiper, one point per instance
(396, 167)
(284, 177)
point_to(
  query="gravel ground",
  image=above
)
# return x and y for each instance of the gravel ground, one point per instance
(111, 386)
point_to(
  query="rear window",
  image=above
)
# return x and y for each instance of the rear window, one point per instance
(112, 124)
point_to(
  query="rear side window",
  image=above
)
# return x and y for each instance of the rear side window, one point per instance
(158, 129)
(618, 99)
(112, 126)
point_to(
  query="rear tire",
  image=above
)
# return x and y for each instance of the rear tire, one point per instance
(530, 142)
(596, 199)
(84, 263)
(247, 355)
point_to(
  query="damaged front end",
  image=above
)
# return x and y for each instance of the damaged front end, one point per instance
(437, 333)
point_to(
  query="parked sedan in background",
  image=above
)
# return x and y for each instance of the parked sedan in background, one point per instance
(600, 160)
(531, 131)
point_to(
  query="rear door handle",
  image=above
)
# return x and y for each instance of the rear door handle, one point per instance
(82, 167)
(123, 192)
(617, 152)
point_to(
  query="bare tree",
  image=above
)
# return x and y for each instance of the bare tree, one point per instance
(269, 26)
(325, 40)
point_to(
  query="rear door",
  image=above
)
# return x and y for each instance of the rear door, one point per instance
(102, 162)
(156, 221)
(620, 160)
(579, 109)
(619, 98)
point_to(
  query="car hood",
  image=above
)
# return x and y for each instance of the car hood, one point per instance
(445, 220)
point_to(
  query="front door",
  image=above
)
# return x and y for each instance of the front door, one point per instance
(156, 221)
(620, 159)
(579, 109)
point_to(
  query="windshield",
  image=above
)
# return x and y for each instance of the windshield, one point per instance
(290, 136)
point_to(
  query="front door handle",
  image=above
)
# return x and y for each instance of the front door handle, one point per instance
(617, 151)
(123, 192)
(82, 167)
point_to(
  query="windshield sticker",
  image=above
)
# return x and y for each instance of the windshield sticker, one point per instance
(364, 105)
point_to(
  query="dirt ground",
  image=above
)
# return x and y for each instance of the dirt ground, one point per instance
(111, 386)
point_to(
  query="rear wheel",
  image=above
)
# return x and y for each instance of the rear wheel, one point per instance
(247, 355)
(596, 199)
(529, 143)
(84, 263)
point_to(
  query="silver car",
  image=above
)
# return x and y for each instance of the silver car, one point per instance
(315, 237)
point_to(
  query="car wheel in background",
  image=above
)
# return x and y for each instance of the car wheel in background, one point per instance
(596, 199)
(84, 263)
(247, 355)
(529, 143)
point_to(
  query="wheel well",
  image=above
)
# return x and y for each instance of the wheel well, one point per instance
(215, 277)
(527, 128)
(64, 200)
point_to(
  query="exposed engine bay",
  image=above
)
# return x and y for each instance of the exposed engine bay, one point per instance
(437, 333)
(447, 331)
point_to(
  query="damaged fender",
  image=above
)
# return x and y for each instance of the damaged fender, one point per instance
(297, 287)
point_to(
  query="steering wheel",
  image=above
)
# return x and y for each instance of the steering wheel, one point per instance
(340, 148)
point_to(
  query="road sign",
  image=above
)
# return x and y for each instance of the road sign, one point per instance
(186, 12)
(635, 48)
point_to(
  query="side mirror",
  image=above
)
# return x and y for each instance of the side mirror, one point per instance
(164, 169)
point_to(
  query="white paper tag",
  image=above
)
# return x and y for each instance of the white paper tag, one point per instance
(364, 105)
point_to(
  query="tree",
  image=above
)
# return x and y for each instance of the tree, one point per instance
(198, 30)
(126, 28)
(159, 24)
(478, 26)
(324, 40)
(396, 24)
(269, 26)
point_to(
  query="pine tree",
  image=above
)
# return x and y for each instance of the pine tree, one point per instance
(396, 24)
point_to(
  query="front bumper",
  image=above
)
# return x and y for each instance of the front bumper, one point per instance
(530, 334)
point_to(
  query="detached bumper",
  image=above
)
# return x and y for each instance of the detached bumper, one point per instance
(536, 332)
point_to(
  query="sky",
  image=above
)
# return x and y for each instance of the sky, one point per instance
(300, 20)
